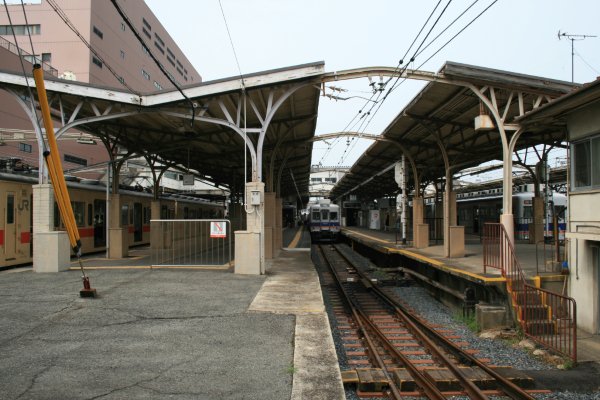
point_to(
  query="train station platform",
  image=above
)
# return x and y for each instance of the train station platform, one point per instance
(531, 258)
(177, 333)
(470, 269)
(296, 237)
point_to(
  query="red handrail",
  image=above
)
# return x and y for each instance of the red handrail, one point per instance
(546, 317)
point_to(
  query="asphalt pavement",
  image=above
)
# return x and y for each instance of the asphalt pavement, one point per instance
(150, 334)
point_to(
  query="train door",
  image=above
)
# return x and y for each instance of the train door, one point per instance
(137, 222)
(325, 226)
(10, 228)
(475, 219)
(99, 223)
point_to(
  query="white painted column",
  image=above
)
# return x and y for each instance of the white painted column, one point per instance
(249, 246)
(51, 249)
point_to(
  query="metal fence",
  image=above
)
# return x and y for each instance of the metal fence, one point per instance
(27, 56)
(191, 242)
(546, 317)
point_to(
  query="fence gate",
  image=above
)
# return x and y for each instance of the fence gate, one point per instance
(190, 242)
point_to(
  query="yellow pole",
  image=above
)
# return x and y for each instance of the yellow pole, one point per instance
(54, 164)
(59, 199)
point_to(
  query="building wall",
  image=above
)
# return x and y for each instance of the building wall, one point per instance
(68, 53)
(584, 231)
(584, 122)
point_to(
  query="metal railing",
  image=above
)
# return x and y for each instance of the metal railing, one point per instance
(546, 317)
(191, 242)
(13, 49)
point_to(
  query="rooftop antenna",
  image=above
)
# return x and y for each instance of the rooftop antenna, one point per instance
(573, 38)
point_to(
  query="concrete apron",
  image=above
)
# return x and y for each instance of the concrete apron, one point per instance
(292, 287)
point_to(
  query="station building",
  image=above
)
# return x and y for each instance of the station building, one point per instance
(579, 113)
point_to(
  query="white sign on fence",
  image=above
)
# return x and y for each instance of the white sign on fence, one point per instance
(218, 229)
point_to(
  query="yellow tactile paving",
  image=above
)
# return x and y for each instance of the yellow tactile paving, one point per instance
(296, 240)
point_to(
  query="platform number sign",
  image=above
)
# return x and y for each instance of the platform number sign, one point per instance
(218, 229)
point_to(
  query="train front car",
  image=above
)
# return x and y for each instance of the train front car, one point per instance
(324, 222)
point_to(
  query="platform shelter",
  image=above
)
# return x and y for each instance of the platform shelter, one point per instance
(249, 133)
(465, 116)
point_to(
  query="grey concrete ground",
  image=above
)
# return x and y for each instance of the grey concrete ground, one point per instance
(151, 334)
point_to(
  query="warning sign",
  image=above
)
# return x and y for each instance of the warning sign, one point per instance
(218, 229)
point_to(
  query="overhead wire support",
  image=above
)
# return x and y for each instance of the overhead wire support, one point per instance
(158, 63)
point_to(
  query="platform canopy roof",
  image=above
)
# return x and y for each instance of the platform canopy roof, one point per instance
(159, 124)
(442, 115)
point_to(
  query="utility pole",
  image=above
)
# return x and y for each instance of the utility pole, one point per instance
(573, 38)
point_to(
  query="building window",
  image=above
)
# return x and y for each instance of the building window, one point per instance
(20, 29)
(122, 55)
(586, 163)
(25, 147)
(170, 53)
(158, 39)
(46, 58)
(170, 60)
(97, 62)
(146, 24)
(148, 35)
(159, 48)
(179, 64)
(178, 70)
(75, 160)
(157, 85)
(145, 75)
(123, 26)
(98, 33)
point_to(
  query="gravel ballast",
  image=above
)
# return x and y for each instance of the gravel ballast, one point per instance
(500, 352)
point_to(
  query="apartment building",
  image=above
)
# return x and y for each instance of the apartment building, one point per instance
(65, 56)
(100, 25)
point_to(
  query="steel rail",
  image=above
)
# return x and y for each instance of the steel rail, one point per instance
(426, 332)
(429, 388)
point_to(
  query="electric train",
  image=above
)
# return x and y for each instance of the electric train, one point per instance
(324, 221)
(88, 199)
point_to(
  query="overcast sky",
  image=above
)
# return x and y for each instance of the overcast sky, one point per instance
(513, 35)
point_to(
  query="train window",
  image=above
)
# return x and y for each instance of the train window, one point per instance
(186, 213)
(316, 216)
(90, 215)
(79, 212)
(10, 208)
(131, 217)
(333, 216)
(164, 212)
(124, 214)
(527, 212)
(324, 215)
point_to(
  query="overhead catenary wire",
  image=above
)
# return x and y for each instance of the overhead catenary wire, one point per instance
(153, 57)
(237, 61)
(31, 100)
(419, 51)
(59, 11)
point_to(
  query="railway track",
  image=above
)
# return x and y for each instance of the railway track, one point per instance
(396, 354)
